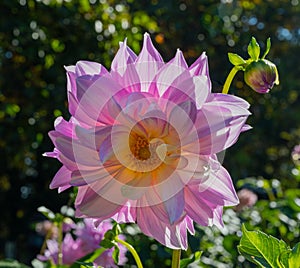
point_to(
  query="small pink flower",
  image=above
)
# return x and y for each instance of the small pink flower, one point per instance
(142, 141)
(296, 154)
(87, 239)
(247, 199)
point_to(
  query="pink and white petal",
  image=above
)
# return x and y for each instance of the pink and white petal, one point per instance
(61, 178)
(81, 155)
(182, 118)
(93, 137)
(91, 203)
(64, 127)
(172, 236)
(127, 213)
(76, 110)
(95, 96)
(136, 187)
(124, 57)
(175, 206)
(168, 76)
(148, 62)
(217, 219)
(83, 84)
(196, 208)
(190, 225)
(54, 154)
(221, 186)
(63, 188)
(219, 128)
(89, 68)
(83, 177)
(227, 99)
(123, 70)
(200, 67)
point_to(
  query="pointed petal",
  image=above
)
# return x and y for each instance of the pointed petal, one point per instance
(175, 206)
(61, 178)
(196, 208)
(89, 68)
(200, 67)
(148, 63)
(127, 213)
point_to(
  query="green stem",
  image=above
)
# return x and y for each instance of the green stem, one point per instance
(132, 251)
(229, 79)
(60, 238)
(176, 258)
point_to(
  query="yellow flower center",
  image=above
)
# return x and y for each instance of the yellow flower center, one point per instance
(140, 149)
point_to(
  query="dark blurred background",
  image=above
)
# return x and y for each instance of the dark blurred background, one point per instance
(39, 37)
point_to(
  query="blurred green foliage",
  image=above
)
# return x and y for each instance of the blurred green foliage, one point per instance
(39, 37)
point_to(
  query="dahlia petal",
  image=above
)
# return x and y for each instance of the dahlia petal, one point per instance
(180, 60)
(172, 197)
(123, 69)
(83, 177)
(220, 126)
(221, 186)
(64, 126)
(71, 79)
(127, 213)
(89, 202)
(92, 138)
(77, 153)
(94, 97)
(83, 83)
(175, 206)
(116, 146)
(197, 167)
(173, 236)
(148, 63)
(196, 209)
(89, 68)
(61, 178)
(136, 188)
(200, 67)
(190, 225)
(168, 76)
(217, 219)
(186, 88)
(182, 118)
(63, 188)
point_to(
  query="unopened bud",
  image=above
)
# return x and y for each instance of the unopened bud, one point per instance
(261, 75)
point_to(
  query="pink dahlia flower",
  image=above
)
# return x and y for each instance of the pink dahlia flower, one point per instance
(87, 240)
(142, 141)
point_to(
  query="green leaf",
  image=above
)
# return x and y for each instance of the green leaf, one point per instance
(261, 248)
(235, 59)
(294, 257)
(195, 258)
(116, 254)
(268, 46)
(106, 243)
(116, 229)
(253, 49)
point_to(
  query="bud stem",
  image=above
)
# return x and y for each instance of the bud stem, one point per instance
(132, 251)
(229, 79)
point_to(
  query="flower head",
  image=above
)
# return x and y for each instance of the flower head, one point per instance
(261, 75)
(142, 141)
(296, 154)
(87, 240)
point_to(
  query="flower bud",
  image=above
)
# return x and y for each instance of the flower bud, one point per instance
(261, 75)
